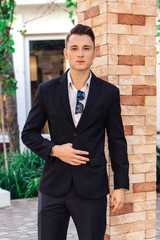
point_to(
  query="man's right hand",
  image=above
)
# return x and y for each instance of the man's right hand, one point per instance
(68, 154)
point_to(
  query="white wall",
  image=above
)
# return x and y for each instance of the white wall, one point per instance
(55, 24)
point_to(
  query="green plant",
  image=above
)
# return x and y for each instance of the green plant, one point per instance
(8, 83)
(73, 5)
(23, 175)
(7, 9)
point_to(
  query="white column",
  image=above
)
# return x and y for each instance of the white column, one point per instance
(19, 68)
(4, 198)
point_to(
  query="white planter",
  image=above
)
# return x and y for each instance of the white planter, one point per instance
(4, 198)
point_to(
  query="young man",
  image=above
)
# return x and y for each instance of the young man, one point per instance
(79, 108)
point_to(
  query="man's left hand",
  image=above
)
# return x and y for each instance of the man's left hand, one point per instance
(118, 199)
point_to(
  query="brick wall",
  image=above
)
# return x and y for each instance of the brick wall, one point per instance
(125, 37)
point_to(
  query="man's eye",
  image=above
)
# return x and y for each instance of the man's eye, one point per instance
(74, 49)
(86, 48)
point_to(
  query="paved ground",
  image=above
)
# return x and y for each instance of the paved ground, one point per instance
(19, 221)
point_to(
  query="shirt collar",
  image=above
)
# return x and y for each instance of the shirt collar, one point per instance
(86, 84)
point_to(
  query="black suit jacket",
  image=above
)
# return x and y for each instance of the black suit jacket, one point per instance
(102, 112)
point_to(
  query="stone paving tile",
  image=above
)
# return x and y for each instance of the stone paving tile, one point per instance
(19, 221)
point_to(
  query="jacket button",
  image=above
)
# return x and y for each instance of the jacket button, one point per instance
(75, 134)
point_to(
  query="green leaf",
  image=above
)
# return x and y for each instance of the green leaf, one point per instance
(12, 50)
(7, 67)
(4, 23)
(22, 32)
(10, 3)
(68, 2)
(3, 46)
(11, 42)
(71, 14)
(68, 5)
(75, 4)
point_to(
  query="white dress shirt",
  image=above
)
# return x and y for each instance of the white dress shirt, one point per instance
(72, 93)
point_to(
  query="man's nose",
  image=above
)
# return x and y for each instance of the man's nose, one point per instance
(80, 52)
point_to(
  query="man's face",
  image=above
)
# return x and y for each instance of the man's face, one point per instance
(80, 52)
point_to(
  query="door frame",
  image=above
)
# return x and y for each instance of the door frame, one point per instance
(27, 39)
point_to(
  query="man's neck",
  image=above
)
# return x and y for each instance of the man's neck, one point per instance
(79, 78)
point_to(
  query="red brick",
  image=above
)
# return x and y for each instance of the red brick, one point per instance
(127, 208)
(143, 90)
(107, 237)
(131, 60)
(131, 19)
(133, 100)
(128, 130)
(144, 187)
(91, 12)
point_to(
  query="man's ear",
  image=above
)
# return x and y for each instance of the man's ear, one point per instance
(65, 53)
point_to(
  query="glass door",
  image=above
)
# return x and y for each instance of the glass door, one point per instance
(46, 61)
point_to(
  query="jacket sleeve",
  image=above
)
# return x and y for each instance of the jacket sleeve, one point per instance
(31, 134)
(117, 145)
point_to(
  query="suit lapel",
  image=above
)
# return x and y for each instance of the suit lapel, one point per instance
(64, 97)
(92, 95)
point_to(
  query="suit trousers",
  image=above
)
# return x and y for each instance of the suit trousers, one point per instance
(89, 216)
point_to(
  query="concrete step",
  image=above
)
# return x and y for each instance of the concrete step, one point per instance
(4, 198)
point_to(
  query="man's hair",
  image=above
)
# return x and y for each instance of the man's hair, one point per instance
(80, 29)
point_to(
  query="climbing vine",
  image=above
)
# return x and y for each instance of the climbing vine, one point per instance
(7, 16)
(7, 11)
(73, 5)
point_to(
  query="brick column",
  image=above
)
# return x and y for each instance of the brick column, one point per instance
(125, 37)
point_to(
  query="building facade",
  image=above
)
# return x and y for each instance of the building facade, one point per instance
(125, 37)
(38, 54)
